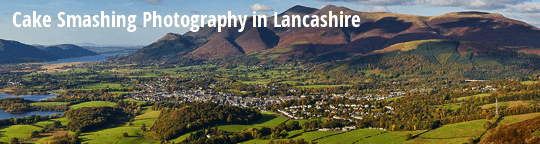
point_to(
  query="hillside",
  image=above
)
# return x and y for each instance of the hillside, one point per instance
(378, 30)
(16, 52)
(66, 51)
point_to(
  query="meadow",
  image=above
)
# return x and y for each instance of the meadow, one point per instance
(93, 104)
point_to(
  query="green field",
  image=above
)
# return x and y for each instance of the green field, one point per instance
(517, 118)
(350, 137)
(268, 120)
(114, 135)
(46, 123)
(388, 138)
(323, 86)
(20, 131)
(48, 103)
(104, 86)
(450, 106)
(452, 133)
(478, 95)
(93, 104)
(529, 82)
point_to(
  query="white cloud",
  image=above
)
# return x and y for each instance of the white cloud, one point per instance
(259, 7)
(377, 9)
(524, 8)
(467, 4)
(152, 2)
(375, 2)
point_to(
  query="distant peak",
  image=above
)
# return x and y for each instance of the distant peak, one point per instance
(473, 12)
(299, 10)
(171, 36)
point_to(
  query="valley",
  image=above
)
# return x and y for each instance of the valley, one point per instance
(463, 77)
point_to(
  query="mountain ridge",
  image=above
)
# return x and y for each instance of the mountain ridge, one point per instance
(378, 30)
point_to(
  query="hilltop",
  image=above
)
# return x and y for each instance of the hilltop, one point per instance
(378, 30)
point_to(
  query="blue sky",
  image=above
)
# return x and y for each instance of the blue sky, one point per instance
(525, 10)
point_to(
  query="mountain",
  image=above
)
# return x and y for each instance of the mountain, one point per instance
(170, 46)
(16, 52)
(378, 31)
(66, 51)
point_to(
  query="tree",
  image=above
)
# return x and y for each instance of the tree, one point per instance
(14, 140)
(409, 136)
(34, 134)
(143, 127)
(57, 124)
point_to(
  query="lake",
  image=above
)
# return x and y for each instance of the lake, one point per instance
(6, 115)
(96, 58)
(28, 97)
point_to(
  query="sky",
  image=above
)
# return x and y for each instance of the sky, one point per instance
(524, 10)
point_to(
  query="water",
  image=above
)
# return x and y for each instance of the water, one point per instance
(6, 115)
(97, 58)
(28, 97)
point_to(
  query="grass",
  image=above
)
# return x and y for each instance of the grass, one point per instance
(268, 120)
(322, 86)
(528, 82)
(459, 130)
(20, 131)
(450, 106)
(47, 123)
(389, 137)
(508, 104)
(138, 102)
(350, 137)
(310, 136)
(517, 118)
(104, 86)
(478, 95)
(93, 104)
(48, 103)
(136, 135)
(452, 133)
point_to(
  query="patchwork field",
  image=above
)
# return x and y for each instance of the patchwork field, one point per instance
(93, 104)
(20, 131)
(452, 133)
(114, 134)
(48, 103)
(268, 120)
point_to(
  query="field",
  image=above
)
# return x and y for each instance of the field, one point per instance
(388, 138)
(114, 134)
(322, 86)
(20, 131)
(478, 95)
(268, 120)
(517, 118)
(508, 104)
(452, 133)
(48, 103)
(46, 123)
(104, 86)
(349, 137)
(93, 104)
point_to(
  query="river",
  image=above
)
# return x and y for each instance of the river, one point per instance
(6, 115)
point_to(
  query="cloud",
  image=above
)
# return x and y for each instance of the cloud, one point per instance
(524, 8)
(259, 7)
(152, 2)
(377, 9)
(374, 2)
(466, 4)
(194, 12)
